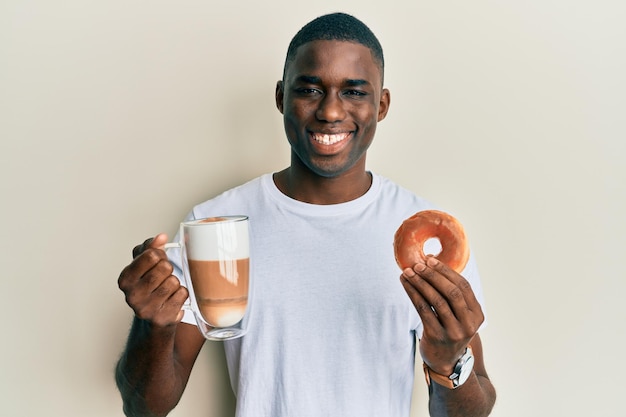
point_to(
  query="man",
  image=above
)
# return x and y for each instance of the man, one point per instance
(334, 333)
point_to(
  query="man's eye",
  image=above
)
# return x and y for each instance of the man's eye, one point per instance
(307, 91)
(356, 93)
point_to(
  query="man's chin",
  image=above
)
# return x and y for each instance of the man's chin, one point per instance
(327, 170)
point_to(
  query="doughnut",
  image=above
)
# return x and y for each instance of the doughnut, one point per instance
(408, 242)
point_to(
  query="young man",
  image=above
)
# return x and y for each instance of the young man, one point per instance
(334, 332)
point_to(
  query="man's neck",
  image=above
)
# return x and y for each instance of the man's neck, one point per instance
(305, 186)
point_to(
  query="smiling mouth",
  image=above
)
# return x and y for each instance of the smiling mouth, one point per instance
(325, 139)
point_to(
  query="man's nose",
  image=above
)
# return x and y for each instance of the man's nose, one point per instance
(331, 109)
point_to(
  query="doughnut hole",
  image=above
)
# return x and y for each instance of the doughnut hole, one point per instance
(432, 246)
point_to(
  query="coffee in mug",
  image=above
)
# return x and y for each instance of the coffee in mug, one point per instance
(220, 282)
(216, 268)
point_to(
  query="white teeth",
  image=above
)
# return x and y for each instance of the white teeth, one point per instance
(329, 139)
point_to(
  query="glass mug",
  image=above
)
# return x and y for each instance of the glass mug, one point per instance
(215, 257)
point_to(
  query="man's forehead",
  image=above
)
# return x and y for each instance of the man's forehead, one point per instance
(322, 47)
(318, 54)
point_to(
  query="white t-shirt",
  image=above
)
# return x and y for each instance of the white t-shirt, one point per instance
(332, 331)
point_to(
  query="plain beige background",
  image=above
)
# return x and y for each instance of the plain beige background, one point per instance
(118, 116)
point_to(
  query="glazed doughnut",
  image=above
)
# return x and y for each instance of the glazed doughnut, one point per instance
(408, 242)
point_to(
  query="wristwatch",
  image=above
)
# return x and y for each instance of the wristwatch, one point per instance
(462, 371)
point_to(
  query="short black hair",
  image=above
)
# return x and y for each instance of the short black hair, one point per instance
(336, 27)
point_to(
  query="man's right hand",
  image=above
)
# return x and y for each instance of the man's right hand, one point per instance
(154, 294)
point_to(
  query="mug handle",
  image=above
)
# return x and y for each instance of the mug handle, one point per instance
(187, 305)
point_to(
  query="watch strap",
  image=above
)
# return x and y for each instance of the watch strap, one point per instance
(440, 379)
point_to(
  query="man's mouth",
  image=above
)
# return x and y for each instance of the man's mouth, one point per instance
(326, 139)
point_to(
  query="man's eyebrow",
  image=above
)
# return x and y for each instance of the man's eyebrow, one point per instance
(312, 79)
(356, 83)
(309, 79)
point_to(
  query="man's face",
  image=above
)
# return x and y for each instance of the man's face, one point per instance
(331, 99)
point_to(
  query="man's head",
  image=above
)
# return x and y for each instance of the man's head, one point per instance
(331, 95)
(338, 27)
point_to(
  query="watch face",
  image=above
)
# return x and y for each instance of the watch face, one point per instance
(466, 370)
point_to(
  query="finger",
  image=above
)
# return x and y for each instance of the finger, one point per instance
(439, 292)
(139, 249)
(414, 285)
(146, 261)
(145, 294)
(456, 278)
(168, 302)
(177, 299)
(463, 289)
(132, 273)
(155, 276)
(149, 304)
(460, 301)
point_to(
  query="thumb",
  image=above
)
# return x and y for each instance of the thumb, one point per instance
(159, 241)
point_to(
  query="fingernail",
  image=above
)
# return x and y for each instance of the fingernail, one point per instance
(408, 272)
(432, 261)
(419, 267)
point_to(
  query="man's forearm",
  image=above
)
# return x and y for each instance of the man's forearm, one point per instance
(475, 398)
(147, 374)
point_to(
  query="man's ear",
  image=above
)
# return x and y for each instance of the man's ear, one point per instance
(383, 106)
(280, 95)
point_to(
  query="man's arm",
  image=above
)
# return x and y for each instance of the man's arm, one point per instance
(155, 366)
(451, 316)
(475, 398)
